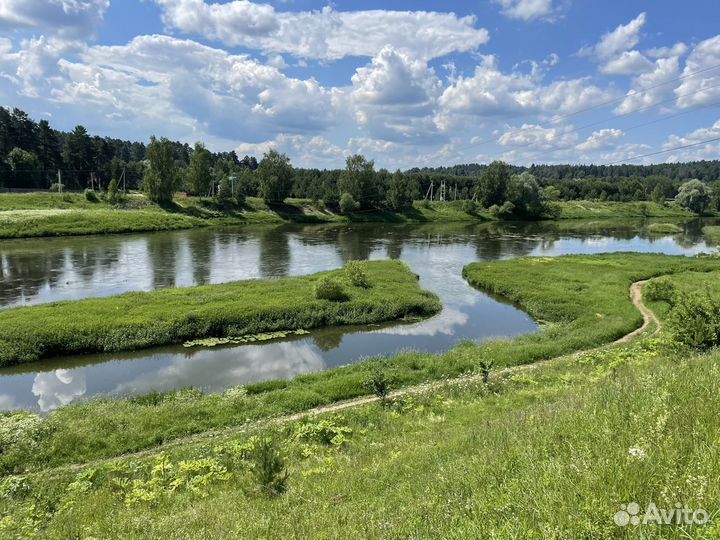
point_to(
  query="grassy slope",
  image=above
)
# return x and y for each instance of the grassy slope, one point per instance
(584, 300)
(610, 209)
(54, 214)
(38, 214)
(70, 214)
(144, 319)
(538, 454)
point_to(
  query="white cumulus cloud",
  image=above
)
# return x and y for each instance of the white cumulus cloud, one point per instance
(67, 18)
(326, 34)
(703, 88)
(526, 9)
(603, 138)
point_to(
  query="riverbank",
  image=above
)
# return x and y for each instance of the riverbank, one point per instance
(583, 302)
(466, 451)
(145, 319)
(70, 214)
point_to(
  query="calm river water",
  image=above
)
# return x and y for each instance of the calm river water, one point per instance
(38, 271)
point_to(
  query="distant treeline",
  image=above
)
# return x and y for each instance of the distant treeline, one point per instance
(32, 153)
(706, 171)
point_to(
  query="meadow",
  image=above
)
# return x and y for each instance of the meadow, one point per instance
(480, 457)
(581, 301)
(145, 319)
(70, 214)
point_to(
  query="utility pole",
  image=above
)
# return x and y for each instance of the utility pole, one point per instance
(430, 190)
(124, 182)
(60, 180)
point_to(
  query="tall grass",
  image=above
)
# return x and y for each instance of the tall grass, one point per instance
(550, 453)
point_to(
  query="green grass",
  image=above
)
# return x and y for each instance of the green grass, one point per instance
(712, 234)
(664, 228)
(583, 301)
(60, 222)
(144, 319)
(539, 454)
(55, 214)
(305, 211)
(611, 209)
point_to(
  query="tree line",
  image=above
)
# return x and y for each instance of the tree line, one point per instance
(31, 153)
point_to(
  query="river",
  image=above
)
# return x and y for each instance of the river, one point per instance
(48, 270)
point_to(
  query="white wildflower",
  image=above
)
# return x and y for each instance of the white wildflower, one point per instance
(636, 453)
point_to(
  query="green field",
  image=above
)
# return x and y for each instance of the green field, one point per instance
(463, 458)
(145, 319)
(611, 209)
(68, 214)
(53, 214)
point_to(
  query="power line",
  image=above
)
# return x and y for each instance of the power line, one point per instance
(662, 151)
(642, 91)
(621, 98)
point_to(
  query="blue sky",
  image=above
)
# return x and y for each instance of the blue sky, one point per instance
(406, 83)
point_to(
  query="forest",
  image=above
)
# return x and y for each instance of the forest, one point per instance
(34, 156)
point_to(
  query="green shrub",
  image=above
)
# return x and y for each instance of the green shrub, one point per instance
(114, 195)
(504, 211)
(328, 288)
(469, 207)
(348, 203)
(322, 431)
(91, 196)
(355, 271)
(661, 289)
(378, 383)
(695, 321)
(56, 187)
(269, 466)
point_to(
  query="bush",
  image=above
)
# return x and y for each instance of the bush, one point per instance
(469, 207)
(91, 196)
(113, 193)
(328, 288)
(378, 383)
(661, 290)
(355, 272)
(347, 203)
(269, 467)
(504, 211)
(56, 187)
(695, 321)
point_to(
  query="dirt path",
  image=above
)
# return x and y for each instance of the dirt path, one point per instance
(635, 296)
(648, 316)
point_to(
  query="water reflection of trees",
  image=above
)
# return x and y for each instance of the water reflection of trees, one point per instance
(25, 269)
(161, 256)
(274, 256)
(24, 273)
(200, 247)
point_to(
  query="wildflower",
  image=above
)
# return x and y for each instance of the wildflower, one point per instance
(636, 453)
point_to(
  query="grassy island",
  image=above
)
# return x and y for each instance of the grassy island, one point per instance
(145, 319)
